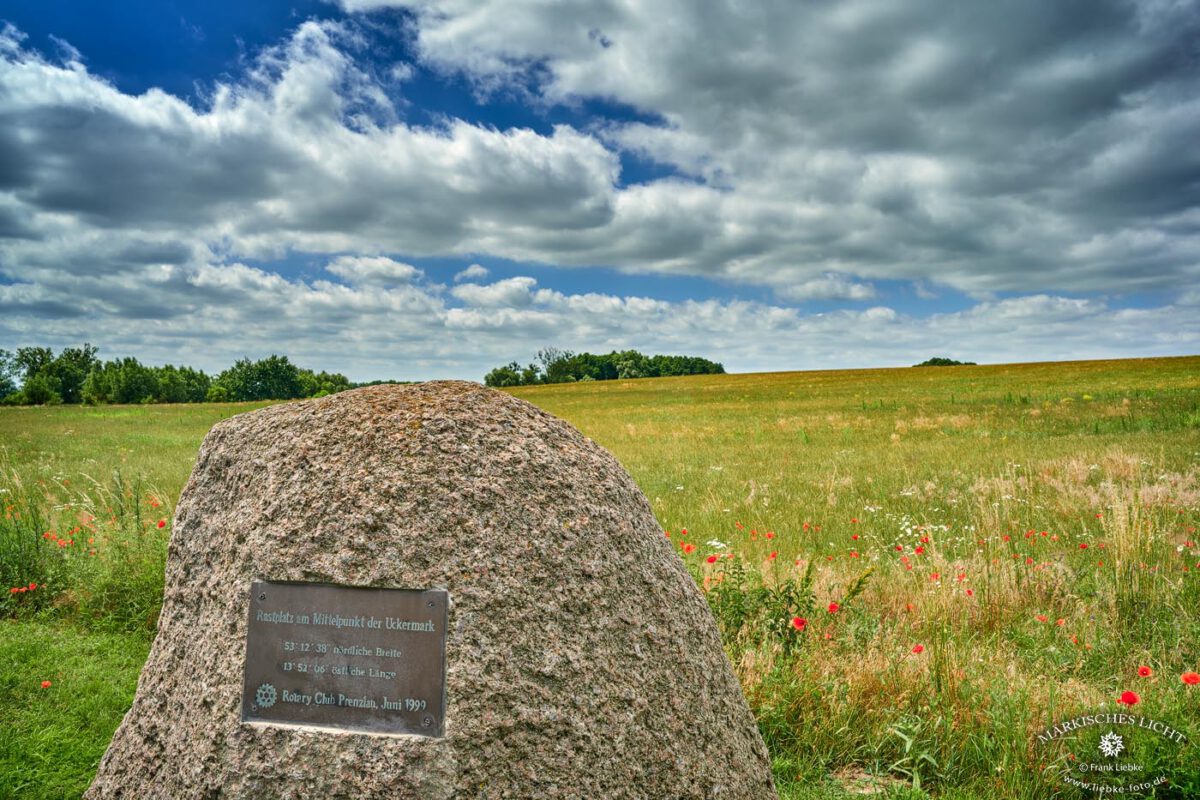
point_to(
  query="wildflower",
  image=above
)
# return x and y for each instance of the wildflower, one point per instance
(799, 622)
(970, 592)
(683, 531)
(1060, 622)
(32, 586)
(689, 547)
(899, 548)
(853, 554)
(1190, 678)
(854, 519)
(834, 608)
(162, 523)
(918, 649)
(924, 540)
(773, 554)
(1083, 546)
(46, 684)
(770, 534)
(1129, 698)
(1145, 672)
(1042, 618)
(712, 559)
(919, 550)
(854, 537)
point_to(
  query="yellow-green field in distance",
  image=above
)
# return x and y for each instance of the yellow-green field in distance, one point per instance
(1004, 547)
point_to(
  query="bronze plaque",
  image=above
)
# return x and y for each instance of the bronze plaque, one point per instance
(351, 658)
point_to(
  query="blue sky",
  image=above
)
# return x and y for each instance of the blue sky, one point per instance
(427, 188)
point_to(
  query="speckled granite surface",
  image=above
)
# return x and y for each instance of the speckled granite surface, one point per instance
(581, 659)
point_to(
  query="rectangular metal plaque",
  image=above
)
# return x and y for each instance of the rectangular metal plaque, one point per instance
(351, 658)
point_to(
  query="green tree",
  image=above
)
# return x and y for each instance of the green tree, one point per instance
(271, 378)
(508, 375)
(8, 374)
(32, 360)
(71, 368)
(42, 390)
(320, 384)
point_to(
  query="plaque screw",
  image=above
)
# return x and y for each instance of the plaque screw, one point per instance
(431, 604)
(427, 722)
(262, 596)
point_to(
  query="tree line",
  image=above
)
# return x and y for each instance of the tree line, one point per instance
(554, 365)
(76, 375)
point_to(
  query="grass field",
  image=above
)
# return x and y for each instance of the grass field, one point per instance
(1005, 547)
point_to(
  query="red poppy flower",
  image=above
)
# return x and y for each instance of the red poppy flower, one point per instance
(773, 554)
(1145, 672)
(1129, 698)
(834, 608)
(1190, 678)
(45, 684)
(918, 649)
(689, 547)
(899, 548)
(1042, 618)
(799, 622)
(924, 540)
(162, 523)
(1083, 545)
(919, 550)
(712, 559)
(970, 592)
(683, 531)
(770, 534)
(854, 537)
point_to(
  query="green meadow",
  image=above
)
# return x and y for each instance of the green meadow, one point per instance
(914, 570)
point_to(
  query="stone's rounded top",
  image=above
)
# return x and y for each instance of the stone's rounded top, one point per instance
(581, 659)
(449, 402)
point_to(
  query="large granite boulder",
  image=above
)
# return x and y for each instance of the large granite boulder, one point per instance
(580, 659)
